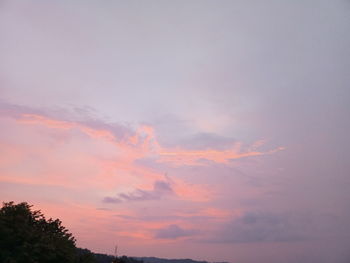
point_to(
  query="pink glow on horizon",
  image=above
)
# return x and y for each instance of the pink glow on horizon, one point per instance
(89, 163)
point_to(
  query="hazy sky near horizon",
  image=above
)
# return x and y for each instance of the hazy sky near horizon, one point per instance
(212, 130)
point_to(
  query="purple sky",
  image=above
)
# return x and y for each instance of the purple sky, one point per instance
(212, 130)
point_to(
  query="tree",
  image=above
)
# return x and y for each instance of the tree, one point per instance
(85, 256)
(26, 236)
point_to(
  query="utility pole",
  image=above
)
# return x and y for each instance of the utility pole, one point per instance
(115, 254)
(116, 251)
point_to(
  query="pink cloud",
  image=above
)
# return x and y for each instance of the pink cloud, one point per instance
(118, 167)
(83, 163)
(143, 143)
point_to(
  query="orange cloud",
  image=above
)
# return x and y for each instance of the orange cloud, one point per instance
(143, 143)
(78, 163)
(186, 157)
(192, 192)
(107, 163)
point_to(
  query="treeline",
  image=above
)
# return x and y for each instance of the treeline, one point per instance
(103, 258)
(163, 260)
(26, 236)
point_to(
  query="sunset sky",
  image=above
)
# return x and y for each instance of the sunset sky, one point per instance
(211, 130)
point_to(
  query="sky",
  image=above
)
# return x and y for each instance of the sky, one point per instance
(211, 130)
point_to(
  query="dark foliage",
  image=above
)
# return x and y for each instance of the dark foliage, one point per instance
(27, 236)
(125, 259)
(85, 256)
(163, 260)
(102, 258)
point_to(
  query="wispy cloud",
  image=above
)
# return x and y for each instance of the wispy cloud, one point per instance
(255, 227)
(142, 142)
(160, 189)
(174, 232)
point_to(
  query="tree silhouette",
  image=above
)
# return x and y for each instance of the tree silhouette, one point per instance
(27, 236)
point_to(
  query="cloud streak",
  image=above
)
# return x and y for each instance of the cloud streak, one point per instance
(262, 227)
(160, 189)
(174, 232)
(141, 143)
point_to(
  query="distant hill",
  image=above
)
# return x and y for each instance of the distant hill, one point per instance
(164, 260)
(103, 258)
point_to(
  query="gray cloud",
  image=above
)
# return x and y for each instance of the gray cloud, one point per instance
(173, 232)
(160, 189)
(81, 116)
(14, 111)
(255, 227)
